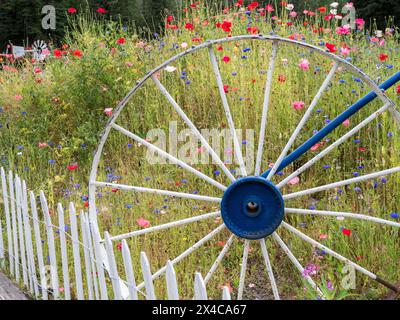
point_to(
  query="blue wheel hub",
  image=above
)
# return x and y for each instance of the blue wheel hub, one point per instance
(252, 208)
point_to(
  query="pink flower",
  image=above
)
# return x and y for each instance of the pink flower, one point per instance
(304, 64)
(315, 147)
(18, 97)
(119, 246)
(345, 51)
(323, 236)
(360, 22)
(346, 122)
(293, 14)
(108, 112)
(226, 59)
(294, 181)
(269, 8)
(343, 30)
(42, 145)
(71, 10)
(101, 10)
(298, 105)
(143, 223)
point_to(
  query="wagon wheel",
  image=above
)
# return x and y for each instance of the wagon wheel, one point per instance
(255, 207)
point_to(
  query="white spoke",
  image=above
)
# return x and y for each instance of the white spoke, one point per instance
(183, 255)
(237, 145)
(165, 226)
(327, 250)
(333, 145)
(190, 124)
(296, 263)
(341, 183)
(219, 259)
(243, 269)
(269, 269)
(306, 116)
(265, 108)
(340, 257)
(342, 214)
(156, 191)
(168, 156)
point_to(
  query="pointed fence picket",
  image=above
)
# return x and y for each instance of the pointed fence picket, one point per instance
(49, 253)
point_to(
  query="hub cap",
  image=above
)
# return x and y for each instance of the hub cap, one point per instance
(252, 208)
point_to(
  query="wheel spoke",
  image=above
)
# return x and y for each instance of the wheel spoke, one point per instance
(341, 183)
(190, 124)
(338, 256)
(302, 122)
(243, 269)
(342, 214)
(333, 145)
(165, 226)
(168, 156)
(265, 108)
(296, 263)
(269, 269)
(155, 191)
(219, 259)
(183, 255)
(237, 145)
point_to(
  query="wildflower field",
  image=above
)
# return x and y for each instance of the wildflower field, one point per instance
(52, 114)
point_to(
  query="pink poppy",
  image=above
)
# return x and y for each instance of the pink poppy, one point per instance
(108, 112)
(346, 122)
(294, 181)
(304, 64)
(323, 236)
(315, 146)
(143, 223)
(298, 105)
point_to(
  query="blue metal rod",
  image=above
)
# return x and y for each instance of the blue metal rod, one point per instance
(334, 124)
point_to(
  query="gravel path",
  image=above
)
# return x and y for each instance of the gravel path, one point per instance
(9, 291)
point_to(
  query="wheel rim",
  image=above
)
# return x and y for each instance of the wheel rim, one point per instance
(248, 203)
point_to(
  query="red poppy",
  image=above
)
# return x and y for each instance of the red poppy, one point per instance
(196, 39)
(121, 41)
(101, 10)
(398, 90)
(239, 3)
(226, 59)
(220, 48)
(119, 246)
(226, 26)
(71, 10)
(87, 204)
(57, 53)
(346, 232)
(170, 19)
(77, 53)
(72, 167)
(252, 30)
(383, 57)
(331, 47)
(322, 9)
(226, 88)
(281, 78)
(362, 149)
(253, 5)
(115, 190)
(189, 26)
(172, 27)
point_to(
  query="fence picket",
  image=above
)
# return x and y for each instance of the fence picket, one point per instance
(130, 276)
(1, 246)
(99, 263)
(226, 295)
(87, 257)
(50, 242)
(147, 276)
(39, 251)
(28, 241)
(64, 253)
(18, 197)
(172, 286)
(8, 221)
(14, 225)
(112, 267)
(91, 257)
(76, 252)
(200, 291)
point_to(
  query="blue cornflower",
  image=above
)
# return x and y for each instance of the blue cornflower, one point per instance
(394, 215)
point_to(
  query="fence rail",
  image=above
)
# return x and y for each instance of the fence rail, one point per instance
(70, 260)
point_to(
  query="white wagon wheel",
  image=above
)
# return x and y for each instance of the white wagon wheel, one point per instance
(37, 48)
(253, 208)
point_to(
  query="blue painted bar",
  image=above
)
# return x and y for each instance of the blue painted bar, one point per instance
(334, 124)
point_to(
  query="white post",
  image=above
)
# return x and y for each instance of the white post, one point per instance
(91, 256)
(20, 230)
(200, 292)
(87, 257)
(113, 267)
(50, 242)
(76, 253)
(14, 225)
(8, 221)
(148, 280)
(39, 251)
(64, 253)
(126, 256)
(172, 286)
(99, 262)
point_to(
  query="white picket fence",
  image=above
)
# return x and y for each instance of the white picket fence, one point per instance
(70, 261)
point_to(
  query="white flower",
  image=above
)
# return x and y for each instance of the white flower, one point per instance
(379, 33)
(170, 69)
(334, 5)
(334, 11)
(289, 6)
(184, 45)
